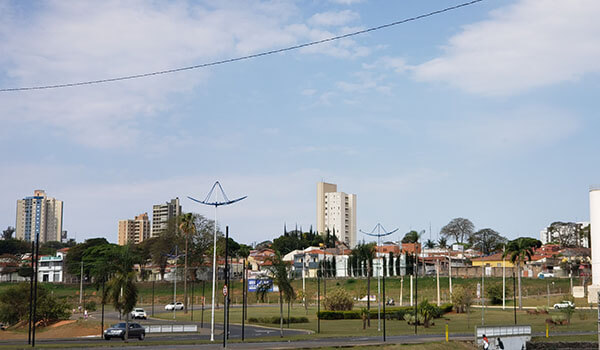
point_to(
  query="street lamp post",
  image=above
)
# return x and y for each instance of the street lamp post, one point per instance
(216, 203)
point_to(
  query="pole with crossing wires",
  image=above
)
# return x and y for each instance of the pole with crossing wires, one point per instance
(35, 276)
(243, 298)
(31, 293)
(225, 291)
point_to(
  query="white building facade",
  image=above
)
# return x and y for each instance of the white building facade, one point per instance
(162, 213)
(336, 213)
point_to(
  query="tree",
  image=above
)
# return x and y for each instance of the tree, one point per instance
(366, 253)
(14, 305)
(7, 234)
(428, 312)
(569, 234)
(458, 229)
(443, 242)
(73, 261)
(280, 271)
(187, 225)
(519, 250)
(121, 287)
(429, 244)
(412, 237)
(14, 247)
(487, 241)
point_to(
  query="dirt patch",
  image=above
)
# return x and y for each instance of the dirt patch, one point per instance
(63, 329)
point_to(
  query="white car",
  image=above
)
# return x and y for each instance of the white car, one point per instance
(139, 313)
(177, 306)
(564, 304)
(545, 274)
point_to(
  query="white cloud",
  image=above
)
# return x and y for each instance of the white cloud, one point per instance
(532, 43)
(67, 42)
(333, 18)
(346, 2)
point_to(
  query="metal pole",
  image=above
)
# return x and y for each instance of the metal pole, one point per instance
(304, 281)
(175, 284)
(214, 281)
(37, 257)
(31, 292)
(225, 288)
(503, 283)
(598, 296)
(437, 273)
(482, 298)
(193, 284)
(243, 298)
(153, 280)
(379, 265)
(318, 302)
(514, 296)
(416, 272)
(203, 299)
(384, 301)
(102, 322)
(450, 272)
(548, 292)
(81, 283)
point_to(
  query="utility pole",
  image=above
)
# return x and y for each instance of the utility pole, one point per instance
(81, 283)
(31, 292)
(225, 290)
(378, 231)
(503, 279)
(437, 273)
(216, 203)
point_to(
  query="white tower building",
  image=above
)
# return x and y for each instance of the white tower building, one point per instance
(336, 212)
(595, 244)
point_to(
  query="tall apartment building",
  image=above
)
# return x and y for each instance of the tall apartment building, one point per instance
(39, 214)
(162, 213)
(336, 212)
(134, 231)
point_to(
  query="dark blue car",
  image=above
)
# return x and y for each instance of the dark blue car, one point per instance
(118, 331)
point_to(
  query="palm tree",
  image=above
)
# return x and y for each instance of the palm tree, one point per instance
(429, 244)
(519, 250)
(121, 287)
(187, 225)
(280, 272)
(366, 252)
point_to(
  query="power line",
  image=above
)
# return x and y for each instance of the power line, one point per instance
(241, 58)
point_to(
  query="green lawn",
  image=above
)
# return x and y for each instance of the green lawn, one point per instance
(458, 323)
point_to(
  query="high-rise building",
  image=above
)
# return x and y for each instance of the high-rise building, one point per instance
(39, 214)
(134, 231)
(162, 213)
(336, 213)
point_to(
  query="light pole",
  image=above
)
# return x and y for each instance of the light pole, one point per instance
(378, 231)
(216, 203)
(504, 279)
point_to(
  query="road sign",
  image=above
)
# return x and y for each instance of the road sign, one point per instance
(225, 290)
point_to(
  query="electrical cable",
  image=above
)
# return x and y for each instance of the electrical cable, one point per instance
(241, 58)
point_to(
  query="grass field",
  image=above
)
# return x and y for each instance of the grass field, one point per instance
(582, 320)
(534, 290)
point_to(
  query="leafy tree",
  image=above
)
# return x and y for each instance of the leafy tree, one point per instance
(14, 247)
(412, 237)
(280, 271)
(14, 305)
(391, 264)
(519, 250)
(8, 233)
(338, 300)
(458, 229)
(487, 241)
(121, 287)
(569, 234)
(366, 253)
(73, 261)
(50, 247)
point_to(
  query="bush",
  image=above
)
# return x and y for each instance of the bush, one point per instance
(462, 298)
(338, 300)
(14, 305)
(277, 320)
(494, 294)
(350, 281)
(396, 313)
(90, 306)
(445, 308)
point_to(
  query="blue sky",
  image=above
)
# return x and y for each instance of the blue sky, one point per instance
(488, 112)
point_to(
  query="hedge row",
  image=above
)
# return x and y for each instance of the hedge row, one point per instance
(391, 313)
(276, 320)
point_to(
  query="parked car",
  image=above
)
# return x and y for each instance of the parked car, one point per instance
(138, 312)
(545, 274)
(564, 304)
(118, 331)
(177, 306)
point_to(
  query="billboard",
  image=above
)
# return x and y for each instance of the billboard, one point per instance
(254, 283)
